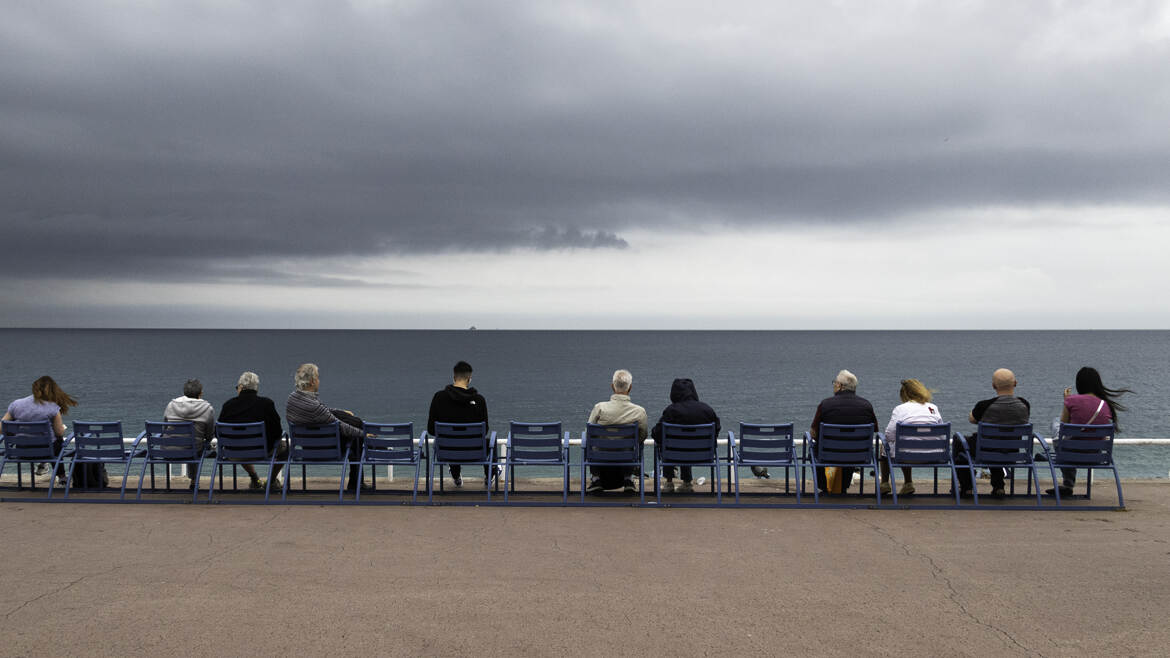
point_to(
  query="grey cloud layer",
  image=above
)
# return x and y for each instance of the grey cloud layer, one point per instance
(179, 136)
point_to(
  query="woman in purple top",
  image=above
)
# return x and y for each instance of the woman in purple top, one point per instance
(47, 402)
(1092, 404)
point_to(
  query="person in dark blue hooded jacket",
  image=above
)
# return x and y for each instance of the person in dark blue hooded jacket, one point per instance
(684, 409)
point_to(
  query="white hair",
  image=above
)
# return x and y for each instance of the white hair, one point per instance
(249, 381)
(305, 376)
(846, 380)
(622, 381)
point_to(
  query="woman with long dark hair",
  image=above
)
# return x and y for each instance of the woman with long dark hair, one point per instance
(1092, 404)
(47, 402)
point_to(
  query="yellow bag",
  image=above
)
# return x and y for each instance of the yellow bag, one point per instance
(833, 479)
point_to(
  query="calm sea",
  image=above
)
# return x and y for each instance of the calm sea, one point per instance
(766, 376)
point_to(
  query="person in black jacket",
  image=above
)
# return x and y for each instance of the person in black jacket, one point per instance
(846, 407)
(684, 409)
(250, 407)
(459, 402)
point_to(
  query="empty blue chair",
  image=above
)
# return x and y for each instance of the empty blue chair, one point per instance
(1085, 446)
(766, 445)
(170, 444)
(922, 446)
(31, 443)
(100, 443)
(463, 444)
(238, 444)
(315, 445)
(536, 444)
(390, 444)
(612, 445)
(843, 446)
(1004, 446)
(687, 445)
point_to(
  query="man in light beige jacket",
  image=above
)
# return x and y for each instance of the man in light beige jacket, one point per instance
(617, 410)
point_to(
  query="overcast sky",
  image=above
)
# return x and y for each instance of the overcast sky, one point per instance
(590, 164)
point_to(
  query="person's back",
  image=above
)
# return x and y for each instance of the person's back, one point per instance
(617, 410)
(190, 406)
(251, 407)
(1003, 410)
(456, 403)
(685, 408)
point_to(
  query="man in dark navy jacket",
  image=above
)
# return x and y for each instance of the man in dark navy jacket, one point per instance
(844, 408)
(459, 402)
(685, 409)
(250, 407)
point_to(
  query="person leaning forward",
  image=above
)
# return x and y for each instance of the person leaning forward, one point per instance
(303, 408)
(844, 408)
(617, 410)
(459, 402)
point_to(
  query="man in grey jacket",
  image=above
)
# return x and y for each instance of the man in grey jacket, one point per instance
(617, 410)
(192, 407)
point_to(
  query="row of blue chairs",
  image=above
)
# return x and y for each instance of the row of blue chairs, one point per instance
(547, 445)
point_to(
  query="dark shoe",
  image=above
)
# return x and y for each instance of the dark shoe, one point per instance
(998, 494)
(760, 472)
(457, 480)
(493, 475)
(965, 493)
(686, 487)
(1064, 491)
(628, 486)
(594, 486)
(365, 487)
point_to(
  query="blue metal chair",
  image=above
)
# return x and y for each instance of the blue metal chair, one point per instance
(688, 445)
(1089, 447)
(100, 443)
(770, 446)
(612, 445)
(462, 444)
(31, 443)
(316, 445)
(536, 444)
(1008, 447)
(843, 446)
(922, 446)
(170, 444)
(238, 444)
(390, 444)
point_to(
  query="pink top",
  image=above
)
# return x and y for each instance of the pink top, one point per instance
(1082, 407)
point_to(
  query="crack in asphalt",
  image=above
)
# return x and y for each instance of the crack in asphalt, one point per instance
(57, 591)
(936, 572)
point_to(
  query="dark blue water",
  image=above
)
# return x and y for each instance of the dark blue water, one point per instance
(767, 376)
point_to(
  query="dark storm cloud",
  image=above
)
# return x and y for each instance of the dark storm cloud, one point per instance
(168, 142)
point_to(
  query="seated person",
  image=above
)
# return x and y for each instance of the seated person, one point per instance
(303, 408)
(844, 408)
(1003, 409)
(1092, 404)
(916, 409)
(47, 402)
(617, 410)
(191, 407)
(250, 407)
(684, 409)
(459, 402)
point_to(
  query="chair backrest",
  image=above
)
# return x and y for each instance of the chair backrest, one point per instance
(98, 441)
(922, 444)
(167, 441)
(28, 440)
(694, 444)
(241, 441)
(538, 442)
(1085, 445)
(461, 442)
(845, 444)
(772, 443)
(612, 443)
(314, 443)
(1003, 444)
(391, 442)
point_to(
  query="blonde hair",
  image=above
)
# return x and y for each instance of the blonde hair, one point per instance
(914, 390)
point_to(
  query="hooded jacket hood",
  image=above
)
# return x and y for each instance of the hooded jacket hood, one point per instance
(682, 390)
(186, 407)
(461, 395)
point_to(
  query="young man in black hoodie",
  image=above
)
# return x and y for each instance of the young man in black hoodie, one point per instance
(459, 402)
(684, 409)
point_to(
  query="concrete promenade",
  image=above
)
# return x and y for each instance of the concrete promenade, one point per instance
(197, 580)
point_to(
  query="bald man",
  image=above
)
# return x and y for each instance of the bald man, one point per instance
(1003, 409)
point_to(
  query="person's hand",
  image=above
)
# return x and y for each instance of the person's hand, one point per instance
(1067, 392)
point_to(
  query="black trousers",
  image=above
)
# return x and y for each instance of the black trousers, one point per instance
(612, 477)
(964, 475)
(668, 473)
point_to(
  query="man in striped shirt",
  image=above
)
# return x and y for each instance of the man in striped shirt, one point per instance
(303, 408)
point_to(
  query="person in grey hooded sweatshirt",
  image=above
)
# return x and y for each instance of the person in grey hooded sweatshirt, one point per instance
(192, 407)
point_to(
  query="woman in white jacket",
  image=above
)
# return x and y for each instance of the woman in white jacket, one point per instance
(916, 409)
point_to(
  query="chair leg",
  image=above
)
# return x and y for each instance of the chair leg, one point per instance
(1117, 479)
(141, 477)
(69, 477)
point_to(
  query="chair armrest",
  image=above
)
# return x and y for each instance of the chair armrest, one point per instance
(963, 442)
(138, 439)
(1044, 446)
